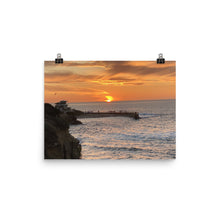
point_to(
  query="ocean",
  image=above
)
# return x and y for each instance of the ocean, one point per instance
(151, 137)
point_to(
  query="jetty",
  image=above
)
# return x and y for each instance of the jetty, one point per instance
(63, 107)
(134, 115)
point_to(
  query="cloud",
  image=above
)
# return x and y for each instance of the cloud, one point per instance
(115, 68)
(107, 73)
(68, 77)
(63, 88)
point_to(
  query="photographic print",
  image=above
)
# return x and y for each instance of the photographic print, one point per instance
(110, 110)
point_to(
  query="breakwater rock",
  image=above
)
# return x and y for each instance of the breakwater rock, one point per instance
(59, 144)
(134, 115)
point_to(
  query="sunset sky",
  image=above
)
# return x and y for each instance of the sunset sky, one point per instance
(91, 81)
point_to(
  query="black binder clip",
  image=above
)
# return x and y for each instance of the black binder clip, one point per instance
(160, 59)
(59, 59)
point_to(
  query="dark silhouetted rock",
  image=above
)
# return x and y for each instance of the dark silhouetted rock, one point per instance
(59, 144)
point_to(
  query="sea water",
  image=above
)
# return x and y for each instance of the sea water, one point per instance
(151, 137)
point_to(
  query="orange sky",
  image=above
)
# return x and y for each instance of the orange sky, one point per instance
(90, 81)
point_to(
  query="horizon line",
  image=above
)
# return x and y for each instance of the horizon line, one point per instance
(120, 101)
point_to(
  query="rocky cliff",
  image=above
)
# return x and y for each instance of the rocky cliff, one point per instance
(59, 144)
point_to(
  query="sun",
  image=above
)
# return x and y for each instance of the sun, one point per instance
(109, 99)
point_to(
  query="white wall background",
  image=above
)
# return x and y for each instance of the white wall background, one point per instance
(34, 31)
